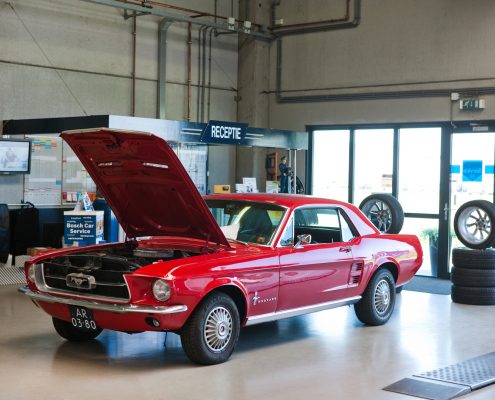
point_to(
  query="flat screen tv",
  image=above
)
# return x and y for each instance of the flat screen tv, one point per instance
(15, 156)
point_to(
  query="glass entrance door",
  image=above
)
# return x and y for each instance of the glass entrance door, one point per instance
(471, 172)
(419, 190)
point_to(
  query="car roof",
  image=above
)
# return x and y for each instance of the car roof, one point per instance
(283, 199)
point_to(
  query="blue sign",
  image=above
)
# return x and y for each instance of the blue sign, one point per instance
(83, 229)
(222, 132)
(489, 169)
(472, 171)
(455, 169)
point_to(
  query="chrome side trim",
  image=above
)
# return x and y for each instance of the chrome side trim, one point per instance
(95, 305)
(258, 319)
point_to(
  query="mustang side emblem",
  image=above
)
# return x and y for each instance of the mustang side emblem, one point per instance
(80, 281)
(257, 299)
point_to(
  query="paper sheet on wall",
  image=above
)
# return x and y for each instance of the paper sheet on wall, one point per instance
(193, 157)
(75, 177)
(43, 186)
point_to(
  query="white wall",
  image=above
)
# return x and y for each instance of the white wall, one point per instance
(399, 45)
(97, 42)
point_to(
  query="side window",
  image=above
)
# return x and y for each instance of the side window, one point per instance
(287, 238)
(347, 232)
(324, 224)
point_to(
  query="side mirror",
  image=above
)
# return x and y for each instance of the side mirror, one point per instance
(302, 240)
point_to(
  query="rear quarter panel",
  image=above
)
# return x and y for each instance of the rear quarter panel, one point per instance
(403, 251)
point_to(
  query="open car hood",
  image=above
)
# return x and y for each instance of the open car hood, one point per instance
(145, 184)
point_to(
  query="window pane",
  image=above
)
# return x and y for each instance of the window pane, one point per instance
(373, 165)
(346, 229)
(287, 238)
(427, 231)
(419, 169)
(331, 164)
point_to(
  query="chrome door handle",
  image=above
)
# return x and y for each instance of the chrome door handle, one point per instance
(345, 249)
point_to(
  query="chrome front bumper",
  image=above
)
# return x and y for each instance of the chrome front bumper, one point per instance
(96, 305)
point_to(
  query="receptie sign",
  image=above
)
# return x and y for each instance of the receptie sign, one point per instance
(223, 132)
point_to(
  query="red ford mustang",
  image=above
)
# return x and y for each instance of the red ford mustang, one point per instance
(203, 268)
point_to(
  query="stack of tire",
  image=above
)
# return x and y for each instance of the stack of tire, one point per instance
(473, 272)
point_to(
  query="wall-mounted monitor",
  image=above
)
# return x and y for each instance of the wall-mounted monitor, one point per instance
(15, 156)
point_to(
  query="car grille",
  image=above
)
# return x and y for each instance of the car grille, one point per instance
(108, 282)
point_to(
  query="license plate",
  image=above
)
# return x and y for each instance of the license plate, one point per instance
(82, 318)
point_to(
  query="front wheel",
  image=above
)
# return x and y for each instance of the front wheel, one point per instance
(210, 335)
(378, 301)
(73, 334)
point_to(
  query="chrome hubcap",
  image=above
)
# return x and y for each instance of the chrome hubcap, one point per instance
(382, 297)
(218, 329)
(379, 214)
(474, 225)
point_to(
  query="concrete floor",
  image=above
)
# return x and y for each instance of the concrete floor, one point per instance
(327, 355)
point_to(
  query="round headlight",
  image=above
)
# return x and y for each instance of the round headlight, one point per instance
(161, 290)
(31, 273)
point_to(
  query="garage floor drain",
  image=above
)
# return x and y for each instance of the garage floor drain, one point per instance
(451, 381)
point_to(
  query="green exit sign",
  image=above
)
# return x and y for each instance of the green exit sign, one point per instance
(471, 104)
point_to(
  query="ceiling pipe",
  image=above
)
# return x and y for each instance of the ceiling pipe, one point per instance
(145, 8)
(203, 74)
(162, 67)
(133, 80)
(209, 76)
(200, 67)
(323, 26)
(309, 29)
(189, 67)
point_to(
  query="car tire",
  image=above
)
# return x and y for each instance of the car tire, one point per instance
(479, 296)
(384, 211)
(71, 333)
(211, 332)
(378, 301)
(473, 277)
(474, 224)
(473, 259)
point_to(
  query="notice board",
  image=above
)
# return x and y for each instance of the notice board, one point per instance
(43, 186)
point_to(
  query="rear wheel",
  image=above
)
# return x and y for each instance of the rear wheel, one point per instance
(378, 301)
(210, 335)
(73, 334)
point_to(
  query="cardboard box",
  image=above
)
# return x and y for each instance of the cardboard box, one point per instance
(219, 189)
(32, 251)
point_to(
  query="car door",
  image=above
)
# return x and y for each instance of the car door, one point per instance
(319, 271)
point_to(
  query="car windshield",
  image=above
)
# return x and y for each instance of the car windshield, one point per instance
(247, 221)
